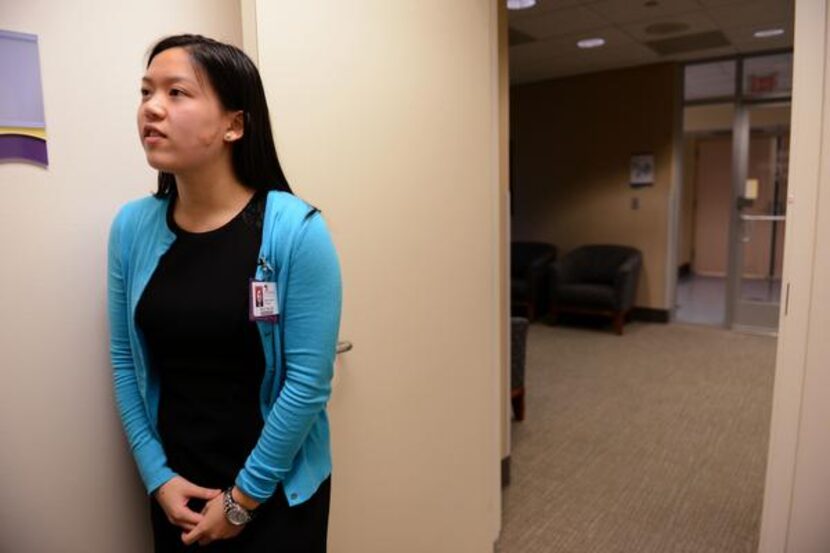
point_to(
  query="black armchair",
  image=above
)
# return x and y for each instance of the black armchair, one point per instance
(595, 279)
(528, 275)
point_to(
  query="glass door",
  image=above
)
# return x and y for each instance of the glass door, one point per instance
(760, 157)
(757, 88)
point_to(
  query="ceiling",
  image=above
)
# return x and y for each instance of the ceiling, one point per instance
(638, 32)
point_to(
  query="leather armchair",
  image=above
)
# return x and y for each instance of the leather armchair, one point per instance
(599, 279)
(528, 276)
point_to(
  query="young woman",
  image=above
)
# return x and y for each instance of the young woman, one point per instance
(224, 305)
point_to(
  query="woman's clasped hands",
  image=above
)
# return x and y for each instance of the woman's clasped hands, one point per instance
(204, 527)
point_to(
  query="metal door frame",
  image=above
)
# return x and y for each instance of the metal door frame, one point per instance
(740, 165)
(759, 317)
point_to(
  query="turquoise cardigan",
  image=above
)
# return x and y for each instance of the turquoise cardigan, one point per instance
(297, 252)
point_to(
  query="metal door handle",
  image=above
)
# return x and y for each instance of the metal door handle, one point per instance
(763, 217)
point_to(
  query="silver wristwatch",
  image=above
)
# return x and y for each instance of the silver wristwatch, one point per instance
(234, 512)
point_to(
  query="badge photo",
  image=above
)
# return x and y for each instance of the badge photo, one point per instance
(263, 301)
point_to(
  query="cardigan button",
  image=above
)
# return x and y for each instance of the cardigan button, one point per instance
(293, 496)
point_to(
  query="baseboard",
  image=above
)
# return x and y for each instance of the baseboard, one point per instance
(650, 315)
(505, 472)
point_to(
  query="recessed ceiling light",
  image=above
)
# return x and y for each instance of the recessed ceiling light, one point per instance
(591, 43)
(520, 4)
(767, 33)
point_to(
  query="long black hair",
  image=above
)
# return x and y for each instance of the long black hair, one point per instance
(236, 81)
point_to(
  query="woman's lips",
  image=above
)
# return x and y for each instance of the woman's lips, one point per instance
(152, 135)
(153, 139)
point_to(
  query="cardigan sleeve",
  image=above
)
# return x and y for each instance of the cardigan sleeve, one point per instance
(144, 444)
(311, 319)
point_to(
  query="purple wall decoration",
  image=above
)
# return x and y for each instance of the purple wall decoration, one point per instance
(22, 121)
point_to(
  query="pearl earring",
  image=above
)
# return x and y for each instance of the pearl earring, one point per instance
(228, 137)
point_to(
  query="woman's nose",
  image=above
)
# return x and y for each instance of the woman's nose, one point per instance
(153, 107)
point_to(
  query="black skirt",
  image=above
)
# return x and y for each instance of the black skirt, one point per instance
(276, 527)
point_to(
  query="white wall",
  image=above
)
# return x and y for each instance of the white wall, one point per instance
(67, 480)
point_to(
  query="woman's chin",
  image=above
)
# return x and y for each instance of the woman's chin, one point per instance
(160, 165)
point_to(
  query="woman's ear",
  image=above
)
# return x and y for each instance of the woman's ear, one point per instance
(236, 127)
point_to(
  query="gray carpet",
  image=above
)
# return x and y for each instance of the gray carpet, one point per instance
(655, 441)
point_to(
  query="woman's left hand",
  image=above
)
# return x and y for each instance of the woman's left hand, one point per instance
(214, 526)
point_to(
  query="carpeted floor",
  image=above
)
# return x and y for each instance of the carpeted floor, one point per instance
(655, 441)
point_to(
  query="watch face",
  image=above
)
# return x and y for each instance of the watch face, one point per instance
(237, 516)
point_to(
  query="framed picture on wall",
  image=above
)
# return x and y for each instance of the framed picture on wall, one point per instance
(642, 170)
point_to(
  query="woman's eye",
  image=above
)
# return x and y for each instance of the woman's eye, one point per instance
(144, 92)
(176, 92)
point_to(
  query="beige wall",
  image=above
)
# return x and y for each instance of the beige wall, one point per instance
(721, 117)
(504, 224)
(386, 116)
(69, 483)
(708, 118)
(574, 138)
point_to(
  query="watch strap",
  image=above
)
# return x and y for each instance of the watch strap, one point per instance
(232, 506)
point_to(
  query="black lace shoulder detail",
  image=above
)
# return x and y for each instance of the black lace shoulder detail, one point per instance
(254, 212)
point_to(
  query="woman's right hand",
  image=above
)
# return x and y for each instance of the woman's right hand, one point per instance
(173, 497)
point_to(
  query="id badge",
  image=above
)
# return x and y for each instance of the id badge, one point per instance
(263, 301)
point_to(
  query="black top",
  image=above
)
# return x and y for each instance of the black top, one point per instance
(207, 354)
